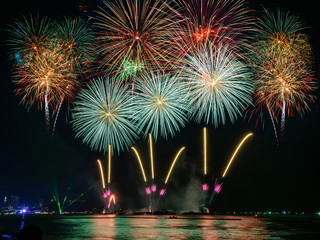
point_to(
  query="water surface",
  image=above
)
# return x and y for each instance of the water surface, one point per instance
(162, 227)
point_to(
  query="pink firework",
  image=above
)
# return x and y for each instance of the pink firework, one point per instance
(217, 187)
(153, 188)
(148, 190)
(205, 187)
(162, 192)
(107, 192)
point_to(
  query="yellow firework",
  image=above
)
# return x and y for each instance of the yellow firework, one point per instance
(173, 163)
(235, 152)
(102, 176)
(141, 166)
(109, 164)
(205, 150)
(151, 155)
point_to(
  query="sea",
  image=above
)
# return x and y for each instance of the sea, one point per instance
(101, 227)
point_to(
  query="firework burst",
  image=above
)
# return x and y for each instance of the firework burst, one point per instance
(103, 115)
(284, 85)
(76, 40)
(217, 21)
(281, 59)
(28, 37)
(45, 69)
(131, 31)
(161, 105)
(219, 84)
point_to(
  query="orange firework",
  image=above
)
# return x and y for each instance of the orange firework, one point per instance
(49, 57)
(131, 34)
(282, 58)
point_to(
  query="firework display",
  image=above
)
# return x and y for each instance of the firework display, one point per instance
(211, 82)
(139, 69)
(153, 187)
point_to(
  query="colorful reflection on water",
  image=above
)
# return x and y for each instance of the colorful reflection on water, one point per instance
(155, 227)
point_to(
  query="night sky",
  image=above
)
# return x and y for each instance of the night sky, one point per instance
(263, 176)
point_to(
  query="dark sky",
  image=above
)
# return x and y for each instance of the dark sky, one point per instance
(263, 175)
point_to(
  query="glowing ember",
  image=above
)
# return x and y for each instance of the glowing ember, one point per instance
(162, 192)
(153, 188)
(108, 192)
(205, 187)
(217, 187)
(148, 190)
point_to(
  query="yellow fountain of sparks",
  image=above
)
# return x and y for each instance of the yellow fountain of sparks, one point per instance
(173, 163)
(151, 156)
(109, 164)
(235, 152)
(205, 150)
(102, 176)
(141, 166)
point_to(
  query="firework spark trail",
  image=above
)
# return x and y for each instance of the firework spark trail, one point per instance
(46, 105)
(234, 154)
(283, 114)
(140, 163)
(112, 198)
(109, 164)
(56, 118)
(102, 175)
(173, 163)
(205, 150)
(273, 124)
(151, 156)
